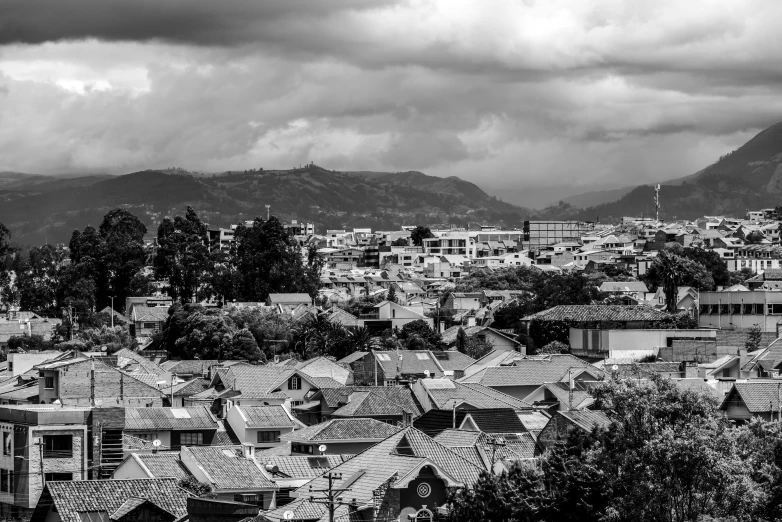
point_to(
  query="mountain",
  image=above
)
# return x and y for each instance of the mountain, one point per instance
(750, 177)
(35, 213)
(596, 197)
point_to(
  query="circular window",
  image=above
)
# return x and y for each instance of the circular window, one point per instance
(424, 490)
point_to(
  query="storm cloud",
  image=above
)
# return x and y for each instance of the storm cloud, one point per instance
(511, 95)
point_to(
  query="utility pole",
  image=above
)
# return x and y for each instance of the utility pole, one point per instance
(495, 442)
(112, 310)
(40, 454)
(333, 497)
(657, 201)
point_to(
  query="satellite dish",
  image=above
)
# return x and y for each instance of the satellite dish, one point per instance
(156, 443)
(615, 367)
(426, 372)
(104, 348)
(288, 515)
(322, 448)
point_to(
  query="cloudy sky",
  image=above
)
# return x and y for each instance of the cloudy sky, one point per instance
(512, 95)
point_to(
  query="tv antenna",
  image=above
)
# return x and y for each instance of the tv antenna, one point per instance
(657, 201)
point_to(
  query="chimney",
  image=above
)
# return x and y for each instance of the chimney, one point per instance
(248, 450)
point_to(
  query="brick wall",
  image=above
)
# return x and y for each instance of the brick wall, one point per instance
(737, 338)
(364, 371)
(110, 386)
(75, 464)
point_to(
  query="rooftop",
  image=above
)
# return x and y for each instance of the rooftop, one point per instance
(342, 430)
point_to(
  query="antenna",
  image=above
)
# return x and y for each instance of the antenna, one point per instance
(657, 201)
(269, 206)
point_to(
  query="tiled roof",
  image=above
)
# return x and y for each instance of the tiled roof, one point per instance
(768, 358)
(452, 359)
(78, 496)
(150, 313)
(267, 417)
(296, 466)
(289, 298)
(131, 361)
(516, 445)
(396, 398)
(698, 385)
(256, 382)
(190, 366)
(629, 370)
(366, 475)
(597, 313)
(129, 442)
(367, 403)
(228, 468)
(496, 420)
(581, 396)
(319, 382)
(343, 430)
(353, 357)
(587, 419)
(458, 437)
(145, 419)
(534, 421)
(190, 388)
(758, 396)
(474, 394)
(413, 362)
(164, 464)
(531, 371)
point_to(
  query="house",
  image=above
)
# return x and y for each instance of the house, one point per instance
(389, 404)
(414, 479)
(18, 324)
(631, 344)
(463, 301)
(561, 396)
(534, 421)
(634, 289)
(233, 472)
(173, 427)
(406, 291)
(562, 422)
(262, 426)
(499, 340)
(324, 367)
(87, 382)
(150, 500)
(389, 315)
(494, 358)
(288, 302)
(186, 370)
(48, 439)
(180, 393)
(147, 321)
(753, 399)
(293, 471)
(339, 436)
(138, 365)
(487, 420)
(382, 368)
(445, 394)
(529, 373)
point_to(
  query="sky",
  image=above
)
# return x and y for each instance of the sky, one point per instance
(516, 96)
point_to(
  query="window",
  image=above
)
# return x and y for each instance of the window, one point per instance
(6, 481)
(191, 438)
(7, 437)
(247, 498)
(149, 326)
(48, 383)
(268, 436)
(296, 403)
(422, 356)
(57, 446)
(51, 477)
(294, 383)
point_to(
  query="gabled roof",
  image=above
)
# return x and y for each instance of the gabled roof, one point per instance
(495, 420)
(227, 468)
(193, 418)
(598, 313)
(758, 396)
(581, 395)
(295, 466)
(164, 464)
(513, 446)
(342, 430)
(289, 298)
(766, 358)
(130, 361)
(155, 314)
(254, 382)
(353, 357)
(450, 335)
(398, 399)
(446, 394)
(71, 498)
(267, 417)
(586, 419)
(532, 371)
(533, 421)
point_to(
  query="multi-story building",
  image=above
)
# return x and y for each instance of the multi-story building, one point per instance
(540, 234)
(450, 243)
(740, 310)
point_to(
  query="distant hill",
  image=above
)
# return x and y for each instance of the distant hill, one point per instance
(596, 197)
(748, 178)
(36, 211)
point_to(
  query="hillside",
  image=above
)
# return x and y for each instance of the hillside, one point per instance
(749, 177)
(35, 212)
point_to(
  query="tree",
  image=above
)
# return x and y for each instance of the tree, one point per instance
(244, 347)
(37, 277)
(554, 347)
(391, 296)
(670, 271)
(461, 339)
(421, 329)
(476, 346)
(420, 233)
(268, 260)
(713, 264)
(402, 241)
(183, 257)
(197, 488)
(28, 343)
(113, 339)
(754, 338)
(755, 237)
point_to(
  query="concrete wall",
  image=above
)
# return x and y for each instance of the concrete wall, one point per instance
(629, 344)
(129, 469)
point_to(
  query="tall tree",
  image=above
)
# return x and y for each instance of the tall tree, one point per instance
(269, 260)
(670, 271)
(183, 257)
(37, 276)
